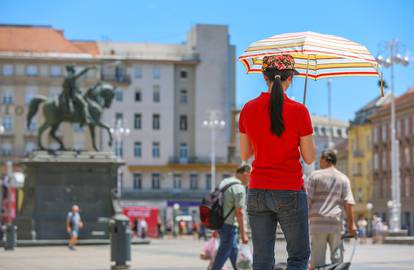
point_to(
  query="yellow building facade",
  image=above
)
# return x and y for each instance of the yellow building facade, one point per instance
(360, 166)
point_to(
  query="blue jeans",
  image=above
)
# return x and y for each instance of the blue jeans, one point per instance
(227, 248)
(268, 207)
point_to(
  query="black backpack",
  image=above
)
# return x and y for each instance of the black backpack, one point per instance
(211, 208)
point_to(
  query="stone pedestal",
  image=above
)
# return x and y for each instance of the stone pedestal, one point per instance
(54, 182)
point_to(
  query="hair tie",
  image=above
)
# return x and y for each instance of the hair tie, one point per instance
(277, 77)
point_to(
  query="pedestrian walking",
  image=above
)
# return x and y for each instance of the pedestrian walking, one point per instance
(143, 228)
(73, 225)
(330, 195)
(135, 226)
(362, 229)
(234, 201)
(273, 128)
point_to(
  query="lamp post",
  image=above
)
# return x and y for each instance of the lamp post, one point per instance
(369, 208)
(176, 208)
(330, 133)
(119, 132)
(393, 49)
(213, 123)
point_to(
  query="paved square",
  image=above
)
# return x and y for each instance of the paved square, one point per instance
(177, 255)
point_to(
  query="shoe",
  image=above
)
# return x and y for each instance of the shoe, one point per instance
(72, 248)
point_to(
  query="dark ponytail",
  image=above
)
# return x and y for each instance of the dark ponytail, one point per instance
(276, 76)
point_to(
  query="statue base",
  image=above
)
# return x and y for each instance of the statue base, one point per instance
(56, 181)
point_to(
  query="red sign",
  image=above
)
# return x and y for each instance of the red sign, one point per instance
(150, 215)
(10, 205)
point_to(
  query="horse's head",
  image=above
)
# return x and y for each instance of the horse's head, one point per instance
(107, 93)
(101, 93)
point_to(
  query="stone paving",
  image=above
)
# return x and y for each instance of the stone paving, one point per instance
(178, 255)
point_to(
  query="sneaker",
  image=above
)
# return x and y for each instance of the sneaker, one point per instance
(72, 248)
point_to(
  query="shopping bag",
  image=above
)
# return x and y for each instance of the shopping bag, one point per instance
(244, 258)
(211, 247)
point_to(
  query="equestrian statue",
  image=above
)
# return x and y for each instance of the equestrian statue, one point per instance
(74, 107)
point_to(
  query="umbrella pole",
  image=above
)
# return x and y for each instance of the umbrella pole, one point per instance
(306, 82)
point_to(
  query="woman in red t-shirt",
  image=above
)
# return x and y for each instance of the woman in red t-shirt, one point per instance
(277, 131)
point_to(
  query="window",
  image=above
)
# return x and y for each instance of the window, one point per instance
(359, 168)
(384, 161)
(339, 132)
(77, 128)
(398, 131)
(359, 195)
(183, 152)
(137, 149)
(407, 187)
(208, 181)
(119, 151)
(137, 121)
(376, 135)
(33, 126)
(384, 133)
(137, 181)
(183, 122)
(183, 74)
(407, 155)
(119, 95)
(8, 123)
(30, 93)
(155, 149)
(119, 116)
(368, 166)
(137, 72)
(56, 71)
(177, 181)
(156, 73)
(7, 70)
(137, 95)
(376, 162)
(368, 141)
(30, 147)
(156, 94)
(193, 181)
(8, 96)
(316, 130)
(183, 97)
(407, 126)
(79, 146)
(6, 149)
(323, 131)
(31, 70)
(156, 121)
(156, 183)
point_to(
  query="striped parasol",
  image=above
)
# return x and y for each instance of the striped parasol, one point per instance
(316, 55)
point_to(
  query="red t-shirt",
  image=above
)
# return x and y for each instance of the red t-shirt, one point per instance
(276, 162)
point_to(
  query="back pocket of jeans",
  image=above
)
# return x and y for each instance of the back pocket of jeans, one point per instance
(286, 201)
(252, 200)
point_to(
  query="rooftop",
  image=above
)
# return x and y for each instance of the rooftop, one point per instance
(324, 120)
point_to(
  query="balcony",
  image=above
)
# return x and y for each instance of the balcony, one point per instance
(164, 193)
(358, 153)
(194, 160)
(116, 76)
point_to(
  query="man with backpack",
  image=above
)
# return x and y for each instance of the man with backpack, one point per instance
(233, 203)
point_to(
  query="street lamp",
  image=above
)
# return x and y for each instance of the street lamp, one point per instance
(394, 49)
(119, 132)
(330, 128)
(213, 123)
(176, 208)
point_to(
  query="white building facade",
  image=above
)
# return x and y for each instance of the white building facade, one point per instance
(164, 93)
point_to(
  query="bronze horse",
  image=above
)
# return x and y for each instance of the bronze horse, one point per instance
(98, 98)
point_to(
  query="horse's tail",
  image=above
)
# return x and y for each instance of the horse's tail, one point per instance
(33, 107)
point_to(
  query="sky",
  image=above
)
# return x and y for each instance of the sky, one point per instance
(371, 23)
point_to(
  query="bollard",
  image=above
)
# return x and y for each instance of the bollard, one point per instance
(120, 234)
(11, 237)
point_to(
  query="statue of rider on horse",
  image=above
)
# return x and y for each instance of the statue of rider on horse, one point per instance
(74, 107)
